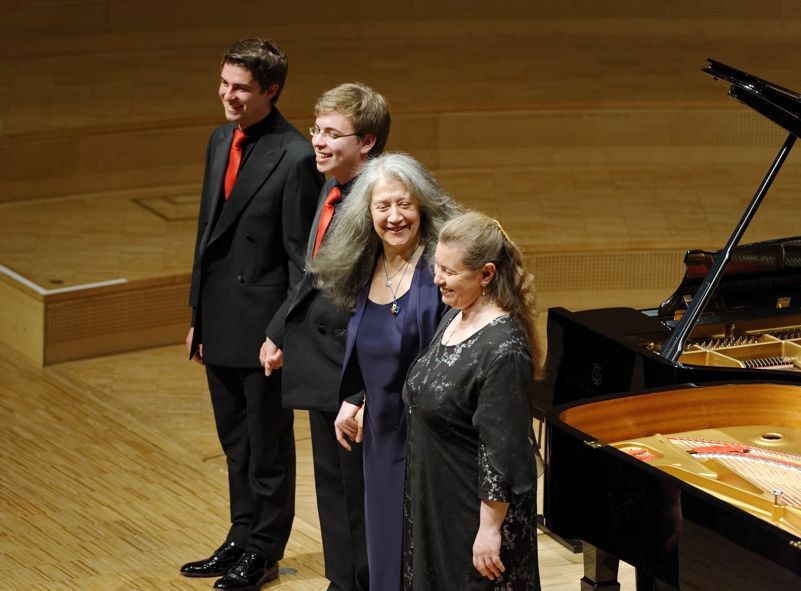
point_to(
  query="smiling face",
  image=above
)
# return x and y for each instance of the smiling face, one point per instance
(460, 287)
(243, 99)
(396, 215)
(344, 156)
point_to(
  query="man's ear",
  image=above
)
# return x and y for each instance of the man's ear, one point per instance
(271, 91)
(368, 141)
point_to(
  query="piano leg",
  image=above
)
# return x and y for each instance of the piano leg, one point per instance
(600, 570)
(645, 582)
(600, 573)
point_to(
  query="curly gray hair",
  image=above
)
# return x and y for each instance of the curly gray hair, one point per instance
(347, 258)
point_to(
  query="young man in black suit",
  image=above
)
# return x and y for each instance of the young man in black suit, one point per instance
(257, 204)
(307, 336)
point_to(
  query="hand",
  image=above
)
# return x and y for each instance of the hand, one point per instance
(359, 418)
(348, 424)
(487, 552)
(270, 356)
(198, 356)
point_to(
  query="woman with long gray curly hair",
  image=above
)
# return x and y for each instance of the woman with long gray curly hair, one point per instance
(375, 264)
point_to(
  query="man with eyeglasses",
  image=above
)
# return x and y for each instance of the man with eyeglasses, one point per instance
(307, 336)
(256, 209)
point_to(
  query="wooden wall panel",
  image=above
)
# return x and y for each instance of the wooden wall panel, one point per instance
(585, 127)
(144, 15)
(130, 316)
(109, 95)
(76, 164)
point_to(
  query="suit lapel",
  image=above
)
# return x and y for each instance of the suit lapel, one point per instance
(214, 185)
(306, 285)
(316, 221)
(429, 302)
(252, 176)
(354, 322)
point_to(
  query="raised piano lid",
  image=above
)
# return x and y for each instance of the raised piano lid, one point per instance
(595, 352)
(779, 104)
(662, 525)
(783, 107)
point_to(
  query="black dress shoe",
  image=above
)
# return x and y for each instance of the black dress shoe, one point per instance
(215, 565)
(249, 573)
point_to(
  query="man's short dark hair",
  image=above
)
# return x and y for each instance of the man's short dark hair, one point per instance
(265, 61)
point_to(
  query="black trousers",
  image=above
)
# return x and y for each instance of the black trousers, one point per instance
(256, 434)
(339, 483)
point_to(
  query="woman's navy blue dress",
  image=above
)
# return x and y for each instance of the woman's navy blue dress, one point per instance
(384, 355)
(379, 349)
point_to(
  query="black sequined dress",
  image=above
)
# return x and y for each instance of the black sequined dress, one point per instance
(470, 438)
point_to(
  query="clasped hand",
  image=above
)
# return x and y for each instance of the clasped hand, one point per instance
(270, 356)
(348, 424)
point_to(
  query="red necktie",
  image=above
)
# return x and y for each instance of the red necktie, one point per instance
(326, 214)
(234, 158)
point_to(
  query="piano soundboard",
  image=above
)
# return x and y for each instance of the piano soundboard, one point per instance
(754, 467)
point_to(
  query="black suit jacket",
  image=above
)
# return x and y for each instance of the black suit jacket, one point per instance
(250, 249)
(311, 332)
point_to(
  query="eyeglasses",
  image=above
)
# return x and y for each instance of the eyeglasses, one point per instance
(329, 134)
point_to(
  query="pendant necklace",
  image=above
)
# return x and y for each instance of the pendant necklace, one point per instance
(395, 308)
(389, 278)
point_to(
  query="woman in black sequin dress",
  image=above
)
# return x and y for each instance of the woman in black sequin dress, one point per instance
(470, 518)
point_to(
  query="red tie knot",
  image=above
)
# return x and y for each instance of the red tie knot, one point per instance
(239, 139)
(334, 195)
(326, 213)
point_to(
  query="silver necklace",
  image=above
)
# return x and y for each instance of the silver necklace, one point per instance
(395, 308)
(448, 337)
(453, 330)
(388, 282)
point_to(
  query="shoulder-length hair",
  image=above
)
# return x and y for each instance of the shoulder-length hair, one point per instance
(347, 258)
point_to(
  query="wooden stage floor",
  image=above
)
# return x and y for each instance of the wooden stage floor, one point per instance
(113, 478)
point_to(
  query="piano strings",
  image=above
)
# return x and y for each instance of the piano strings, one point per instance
(766, 481)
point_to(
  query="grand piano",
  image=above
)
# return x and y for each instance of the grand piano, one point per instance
(673, 434)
